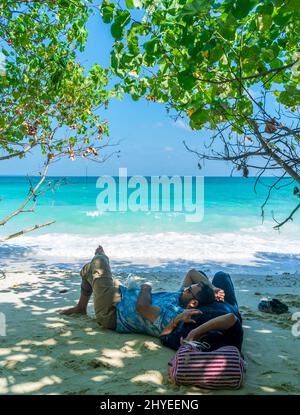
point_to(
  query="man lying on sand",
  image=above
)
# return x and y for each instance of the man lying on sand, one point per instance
(116, 307)
(221, 316)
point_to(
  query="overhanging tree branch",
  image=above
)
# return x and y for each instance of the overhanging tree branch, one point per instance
(27, 230)
(247, 78)
(32, 196)
(290, 217)
(270, 151)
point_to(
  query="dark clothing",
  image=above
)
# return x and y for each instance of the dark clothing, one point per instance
(217, 308)
(230, 337)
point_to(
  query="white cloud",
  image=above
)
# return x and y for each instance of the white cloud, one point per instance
(181, 124)
(169, 149)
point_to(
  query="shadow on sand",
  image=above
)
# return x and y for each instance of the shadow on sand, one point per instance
(47, 353)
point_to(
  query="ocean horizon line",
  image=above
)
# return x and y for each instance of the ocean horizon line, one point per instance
(144, 175)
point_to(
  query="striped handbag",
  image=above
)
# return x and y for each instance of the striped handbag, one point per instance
(223, 368)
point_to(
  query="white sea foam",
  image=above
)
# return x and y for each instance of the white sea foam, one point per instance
(253, 250)
(94, 213)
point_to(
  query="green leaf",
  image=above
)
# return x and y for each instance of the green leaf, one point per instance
(196, 7)
(215, 54)
(228, 32)
(186, 80)
(290, 97)
(131, 4)
(241, 8)
(122, 18)
(117, 31)
(244, 106)
(200, 117)
(5, 52)
(170, 38)
(107, 10)
(151, 46)
(263, 22)
(267, 54)
(265, 9)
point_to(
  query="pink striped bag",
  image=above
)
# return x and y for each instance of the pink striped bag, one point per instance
(223, 368)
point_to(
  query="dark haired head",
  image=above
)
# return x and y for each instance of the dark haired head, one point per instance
(205, 295)
(197, 295)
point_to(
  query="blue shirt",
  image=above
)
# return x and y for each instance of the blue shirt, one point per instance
(129, 321)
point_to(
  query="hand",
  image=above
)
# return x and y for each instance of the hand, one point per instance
(190, 337)
(186, 316)
(219, 294)
(73, 310)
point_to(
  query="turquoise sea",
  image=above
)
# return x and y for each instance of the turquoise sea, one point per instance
(230, 205)
(231, 230)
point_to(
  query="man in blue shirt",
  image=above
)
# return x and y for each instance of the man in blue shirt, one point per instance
(119, 309)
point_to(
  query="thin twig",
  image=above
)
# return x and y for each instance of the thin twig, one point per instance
(290, 217)
(33, 228)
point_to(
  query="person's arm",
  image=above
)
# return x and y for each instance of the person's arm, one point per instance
(194, 277)
(219, 323)
(185, 316)
(144, 304)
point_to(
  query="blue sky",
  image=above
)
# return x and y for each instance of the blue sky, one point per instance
(151, 142)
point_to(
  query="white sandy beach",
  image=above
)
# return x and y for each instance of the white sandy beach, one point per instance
(46, 353)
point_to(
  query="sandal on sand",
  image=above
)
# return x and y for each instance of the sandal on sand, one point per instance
(273, 306)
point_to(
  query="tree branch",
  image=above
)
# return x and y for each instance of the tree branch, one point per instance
(20, 153)
(33, 228)
(31, 196)
(245, 78)
(273, 154)
(290, 217)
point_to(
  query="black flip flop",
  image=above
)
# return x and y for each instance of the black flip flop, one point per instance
(273, 306)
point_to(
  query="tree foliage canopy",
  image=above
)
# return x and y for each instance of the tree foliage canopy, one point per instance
(200, 55)
(231, 66)
(47, 98)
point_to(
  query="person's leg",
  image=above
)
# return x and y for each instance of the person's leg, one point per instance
(222, 280)
(85, 294)
(193, 277)
(105, 290)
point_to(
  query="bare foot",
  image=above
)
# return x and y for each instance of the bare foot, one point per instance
(146, 286)
(73, 310)
(99, 250)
